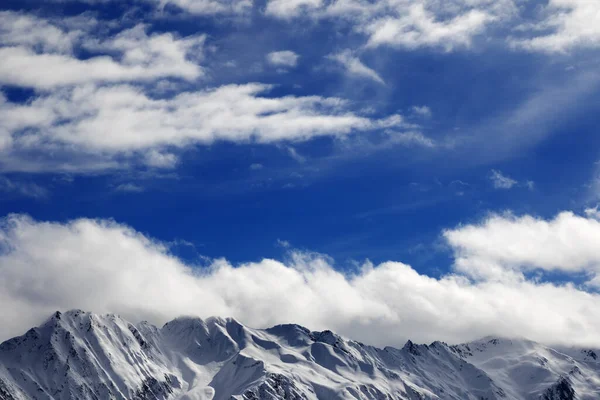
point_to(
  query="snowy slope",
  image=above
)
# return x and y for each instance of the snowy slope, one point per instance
(78, 355)
(526, 369)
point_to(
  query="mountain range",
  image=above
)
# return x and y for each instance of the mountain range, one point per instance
(81, 355)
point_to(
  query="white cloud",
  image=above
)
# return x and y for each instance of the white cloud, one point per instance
(91, 113)
(158, 159)
(291, 8)
(593, 186)
(411, 138)
(209, 7)
(529, 185)
(403, 23)
(593, 212)
(501, 181)
(18, 29)
(122, 120)
(505, 246)
(283, 243)
(558, 26)
(196, 7)
(422, 111)
(354, 66)
(27, 189)
(106, 267)
(256, 166)
(572, 24)
(285, 58)
(129, 187)
(420, 28)
(295, 155)
(44, 58)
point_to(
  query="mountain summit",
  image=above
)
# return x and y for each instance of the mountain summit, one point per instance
(80, 355)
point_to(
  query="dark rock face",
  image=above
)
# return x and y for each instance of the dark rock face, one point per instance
(275, 387)
(561, 390)
(590, 354)
(153, 389)
(5, 393)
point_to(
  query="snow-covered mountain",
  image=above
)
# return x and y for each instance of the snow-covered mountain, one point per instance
(79, 355)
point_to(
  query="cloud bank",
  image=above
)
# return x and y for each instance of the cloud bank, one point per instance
(103, 266)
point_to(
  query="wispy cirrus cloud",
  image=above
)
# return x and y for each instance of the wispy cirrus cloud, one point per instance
(419, 27)
(208, 7)
(554, 26)
(422, 111)
(504, 182)
(412, 138)
(103, 104)
(501, 181)
(129, 188)
(45, 59)
(20, 188)
(109, 108)
(404, 24)
(354, 67)
(122, 120)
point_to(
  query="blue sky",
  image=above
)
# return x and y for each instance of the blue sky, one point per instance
(357, 130)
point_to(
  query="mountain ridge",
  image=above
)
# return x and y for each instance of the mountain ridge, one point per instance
(81, 355)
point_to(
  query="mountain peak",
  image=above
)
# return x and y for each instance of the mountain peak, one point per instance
(414, 349)
(81, 355)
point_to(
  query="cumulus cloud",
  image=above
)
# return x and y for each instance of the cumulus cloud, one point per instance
(103, 266)
(285, 58)
(355, 67)
(122, 119)
(506, 246)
